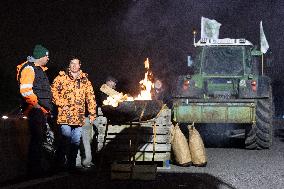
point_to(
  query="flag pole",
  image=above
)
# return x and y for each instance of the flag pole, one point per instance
(261, 63)
(263, 45)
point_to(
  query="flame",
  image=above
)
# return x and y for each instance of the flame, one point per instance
(145, 94)
(146, 84)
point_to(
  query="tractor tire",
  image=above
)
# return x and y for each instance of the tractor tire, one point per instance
(259, 135)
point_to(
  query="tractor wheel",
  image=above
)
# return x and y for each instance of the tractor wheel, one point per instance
(259, 135)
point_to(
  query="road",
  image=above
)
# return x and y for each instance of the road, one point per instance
(231, 168)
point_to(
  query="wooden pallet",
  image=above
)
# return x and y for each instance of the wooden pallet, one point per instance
(114, 140)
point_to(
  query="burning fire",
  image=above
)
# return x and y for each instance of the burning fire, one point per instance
(146, 84)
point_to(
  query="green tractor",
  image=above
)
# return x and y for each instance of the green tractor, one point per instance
(227, 86)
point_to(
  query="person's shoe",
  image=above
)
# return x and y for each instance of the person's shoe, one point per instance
(89, 165)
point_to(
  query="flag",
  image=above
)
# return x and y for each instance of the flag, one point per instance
(209, 28)
(263, 42)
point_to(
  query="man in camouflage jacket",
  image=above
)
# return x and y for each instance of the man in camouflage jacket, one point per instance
(71, 90)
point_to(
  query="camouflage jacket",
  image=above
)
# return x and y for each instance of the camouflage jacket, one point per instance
(73, 94)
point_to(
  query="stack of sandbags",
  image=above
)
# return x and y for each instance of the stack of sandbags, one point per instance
(180, 147)
(191, 152)
(196, 146)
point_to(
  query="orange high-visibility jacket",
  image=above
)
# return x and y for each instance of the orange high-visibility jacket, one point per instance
(73, 93)
(26, 78)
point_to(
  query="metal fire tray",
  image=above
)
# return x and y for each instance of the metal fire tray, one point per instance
(131, 111)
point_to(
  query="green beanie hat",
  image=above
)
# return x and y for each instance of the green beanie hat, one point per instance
(40, 51)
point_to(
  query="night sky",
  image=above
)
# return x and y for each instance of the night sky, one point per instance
(114, 37)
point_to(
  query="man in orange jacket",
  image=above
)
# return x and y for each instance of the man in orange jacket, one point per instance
(37, 103)
(71, 91)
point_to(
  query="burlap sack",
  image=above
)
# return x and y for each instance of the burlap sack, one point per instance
(180, 147)
(196, 146)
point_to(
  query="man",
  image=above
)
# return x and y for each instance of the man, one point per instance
(110, 82)
(161, 92)
(37, 103)
(71, 90)
(158, 90)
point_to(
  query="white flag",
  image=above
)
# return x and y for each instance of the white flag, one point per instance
(263, 42)
(209, 28)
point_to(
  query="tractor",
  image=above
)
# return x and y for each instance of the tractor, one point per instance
(227, 85)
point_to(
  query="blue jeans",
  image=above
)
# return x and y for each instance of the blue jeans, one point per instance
(70, 143)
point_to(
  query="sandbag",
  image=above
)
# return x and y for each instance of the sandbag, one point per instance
(196, 146)
(180, 147)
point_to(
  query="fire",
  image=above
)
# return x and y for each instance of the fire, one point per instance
(114, 97)
(146, 84)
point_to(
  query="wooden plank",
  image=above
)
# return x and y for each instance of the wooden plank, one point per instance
(126, 129)
(142, 124)
(139, 156)
(141, 148)
(164, 118)
(163, 121)
(125, 138)
(111, 92)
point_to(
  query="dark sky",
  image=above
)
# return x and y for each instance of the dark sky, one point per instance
(114, 37)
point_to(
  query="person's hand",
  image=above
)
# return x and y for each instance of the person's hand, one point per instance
(92, 119)
(37, 106)
(65, 108)
(46, 112)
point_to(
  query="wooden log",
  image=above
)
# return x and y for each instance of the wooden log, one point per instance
(110, 91)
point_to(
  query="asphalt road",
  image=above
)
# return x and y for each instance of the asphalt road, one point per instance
(232, 168)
